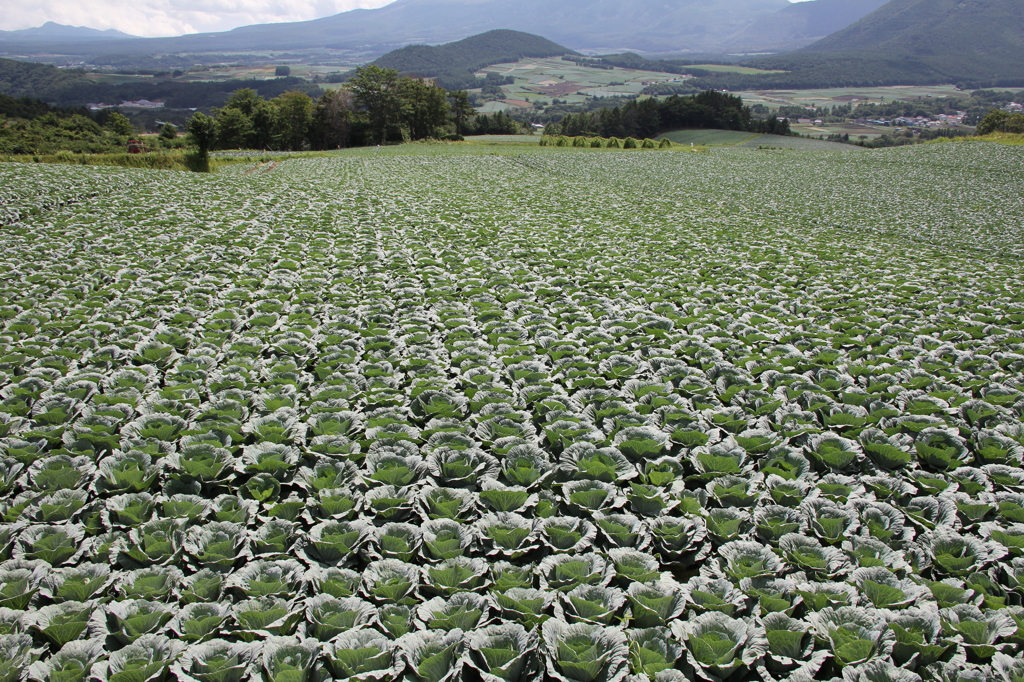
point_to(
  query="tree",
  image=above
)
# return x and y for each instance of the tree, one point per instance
(376, 90)
(119, 124)
(203, 130)
(294, 116)
(461, 109)
(424, 107)
(283, 71)
(999, 121)
(572, 126)
(332, 120)
(245, 100)
(168, 132)
(629, 119)
(614, 126)
(255, 128)
(264, 120)
(234, 128)
(648, 119)
(498, 124)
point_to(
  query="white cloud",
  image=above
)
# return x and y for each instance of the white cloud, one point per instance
(153, 18)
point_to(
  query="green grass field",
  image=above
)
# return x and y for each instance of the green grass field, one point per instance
(851, 129)
(787, 142)
(546, 79)
(733, 138)
(733, 68)
(708, 137)
(831, 96)
(117, 79)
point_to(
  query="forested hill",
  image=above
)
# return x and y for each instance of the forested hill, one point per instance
(70, 87)
(962, 39)
(29, 109)
(802, 23)
(27, 79)
(970, 43)
(454, 63)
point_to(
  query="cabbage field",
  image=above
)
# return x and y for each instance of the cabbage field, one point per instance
(533, 414)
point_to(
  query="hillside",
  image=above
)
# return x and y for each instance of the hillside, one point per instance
(962, 39)
(651, 25)
(473, 53)
(69, 87)
(26, 79)
(971, 43)
(802, 23)
(453, 64)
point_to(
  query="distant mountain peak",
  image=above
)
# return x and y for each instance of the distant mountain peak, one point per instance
(51, 30)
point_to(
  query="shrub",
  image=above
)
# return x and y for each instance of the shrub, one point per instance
(196, 161)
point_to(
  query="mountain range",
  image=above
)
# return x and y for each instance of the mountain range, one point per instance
(52, 31)
(972, 42)
(948, 35)
(609, 25)
(843, 42)
(801, 24)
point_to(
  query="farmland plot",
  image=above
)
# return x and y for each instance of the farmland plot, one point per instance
(743, 415)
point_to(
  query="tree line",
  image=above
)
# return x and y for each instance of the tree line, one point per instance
(974, 106)
(650, 117)
(859, 73)
(999, 121)
(180, 94)
(377, 106)
(71, 88)
(797, 71)
(29, 108)
(805, 71)
(37, 128)
(29, 79)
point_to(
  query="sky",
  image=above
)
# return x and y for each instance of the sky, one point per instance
(152, 18)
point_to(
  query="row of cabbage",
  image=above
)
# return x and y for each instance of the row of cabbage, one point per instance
(495, 652)
(301, 411)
